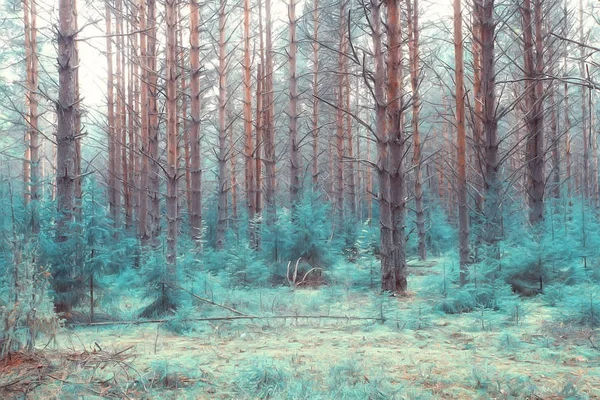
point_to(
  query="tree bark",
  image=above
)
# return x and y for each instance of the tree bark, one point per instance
(269, 121)
(294, 144)
(144, 124)
(222, 157)
(32, 157)
(397, 145)
(492, 187)
(195, 151)
(112, 124)
(67, 109)
(463, 211)
(153, 131)
(172, 166)
(250, 181)
(534, 115)
(413, 45)
(315, 88)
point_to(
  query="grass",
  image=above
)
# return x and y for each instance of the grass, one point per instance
(521, 350)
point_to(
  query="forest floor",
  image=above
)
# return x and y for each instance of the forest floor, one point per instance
(415, 354)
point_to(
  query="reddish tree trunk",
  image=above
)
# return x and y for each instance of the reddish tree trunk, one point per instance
(195, 193)
(463, 211)
(172, 166)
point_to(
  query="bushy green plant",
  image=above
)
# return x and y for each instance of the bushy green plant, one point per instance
(262, 380)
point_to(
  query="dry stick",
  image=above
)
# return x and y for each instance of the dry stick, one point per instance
(233, 310)
(230, 318)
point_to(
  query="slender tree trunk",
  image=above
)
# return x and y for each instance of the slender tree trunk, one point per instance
(463, 211)
(111, 123)
(250, 181)
(144, 124)
(478, 100)
(269, 121)
(584, 110)
(294, 144)
(315, 88)
(134, 113)
(172, 166)
(67, 110)
(413, 45)
(351, 176)
(33, 156)
(492, 187)
(339, 119)
(533, 69)
(122, 114)
(258, 150)
(153, 132)
(232, 155)
(222, 158)
(397, 144)
(195, 152)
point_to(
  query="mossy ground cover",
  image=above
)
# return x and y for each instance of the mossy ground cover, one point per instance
(525, 349)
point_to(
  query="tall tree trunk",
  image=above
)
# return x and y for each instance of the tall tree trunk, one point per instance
(153, 132)
(478, 130)
(133, 114)
(492, 187)
(584, 110)
(339, 114)
(315, 88)
(222, 157)
(249, 181)
(112, 124)
(534, 117)
(144, 124)
(350, 175)
(67, 110)
(397, 144)
(294, 144)
(258, 150)
(413, 47)
(463, 211)
(33, 156)
(269, 120)
(567, 119)
(122, 114)
(172, 166)
(195, 152)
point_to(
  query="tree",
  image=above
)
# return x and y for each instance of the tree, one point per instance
(269, 120)
(489, 123)
(315, 88)
(172, 167)
(223, 182)
(533, 68)
(249, 167)
(397, 142)
(67, 108)
(195, 153)
(32, 157)
(412, 17)
(294, 141)
(463, 211)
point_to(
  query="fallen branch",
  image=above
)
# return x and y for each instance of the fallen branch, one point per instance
(233, 310)
(230, 318)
